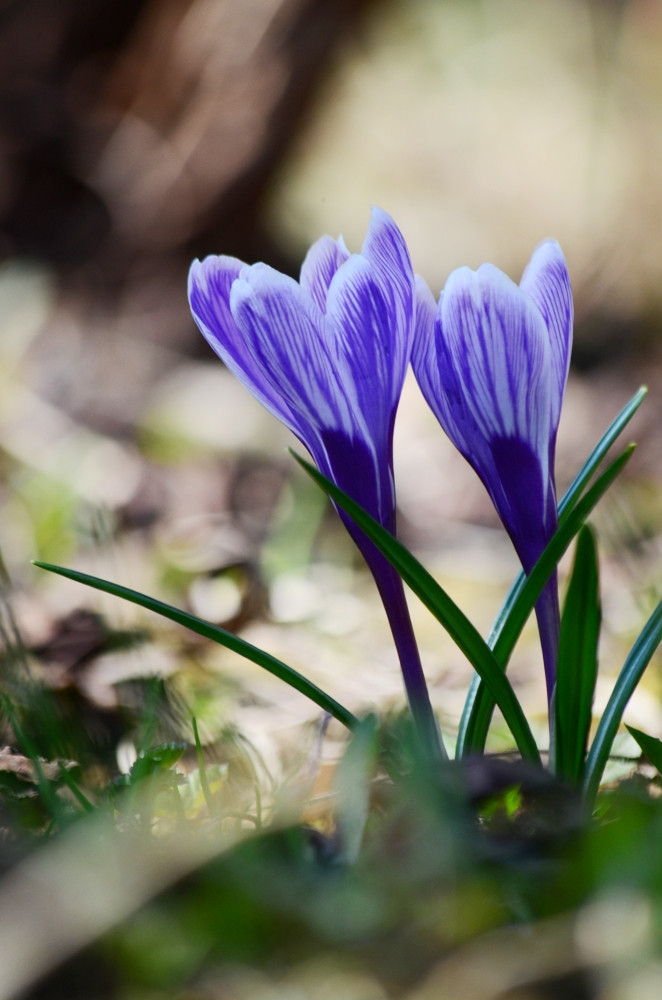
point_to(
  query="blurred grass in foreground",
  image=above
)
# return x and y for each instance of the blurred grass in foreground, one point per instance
(475, 881)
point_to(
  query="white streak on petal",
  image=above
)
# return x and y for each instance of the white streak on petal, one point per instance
(362, 332)
(498, 347)
(286, 333)
(386, 250)
(547, 283)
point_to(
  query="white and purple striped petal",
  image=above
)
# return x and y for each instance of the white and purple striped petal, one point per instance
(321, 263)
(489, 365)
(385, 248)
(492, 362)
(327, 355)
(284, 330)
(209, 285)
(547, 283)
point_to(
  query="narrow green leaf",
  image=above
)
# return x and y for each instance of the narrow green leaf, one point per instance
(578, 660)
(216, 634)
(524, 600)
(631, 673)
(649, 745)
(73, 787)
(565, 506)
(442, 607)
(46, 787)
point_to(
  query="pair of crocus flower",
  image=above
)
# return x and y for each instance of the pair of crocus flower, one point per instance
(328, 356)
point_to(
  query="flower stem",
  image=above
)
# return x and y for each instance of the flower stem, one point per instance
(392, 593)
(549, 627)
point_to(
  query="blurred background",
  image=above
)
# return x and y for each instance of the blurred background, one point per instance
(138, 134)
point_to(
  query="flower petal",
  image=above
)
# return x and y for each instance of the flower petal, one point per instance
(286, 333)
(440, 384)
(209, 287)
(209, 284)
(495, 340)
(547, 283)
(435, 376)
(485, 371)
(363, 326)
(484, 374)
(423, 346)
(321, 263)
(385, 248)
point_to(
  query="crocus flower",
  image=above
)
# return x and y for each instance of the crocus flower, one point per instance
(492, 361)
(328, 355)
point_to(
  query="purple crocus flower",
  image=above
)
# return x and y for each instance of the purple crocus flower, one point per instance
(328, 355)
(492, 361)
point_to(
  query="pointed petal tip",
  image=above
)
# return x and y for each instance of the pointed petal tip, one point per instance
(193, 271)
(195, 267)
(379, 219)
(549, 249)
(551, 242)
(378, 213)
(201, 273)
(209, 288)
(384, 231)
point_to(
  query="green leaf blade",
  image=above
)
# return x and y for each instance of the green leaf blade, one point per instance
(649, 745)
(216, 634)
(631, 673)
(578, 661)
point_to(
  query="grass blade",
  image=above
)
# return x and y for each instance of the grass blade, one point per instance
(46, 788)
(565, 506)
(649, 745)
(216, 634)
(511, 624)
(442, 607)
(578, 661)
(81, 798)
(631, 673)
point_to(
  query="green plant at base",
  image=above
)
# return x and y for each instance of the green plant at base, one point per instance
(578, 661)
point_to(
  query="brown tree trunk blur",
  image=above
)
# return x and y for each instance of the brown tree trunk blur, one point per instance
(137, 133)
